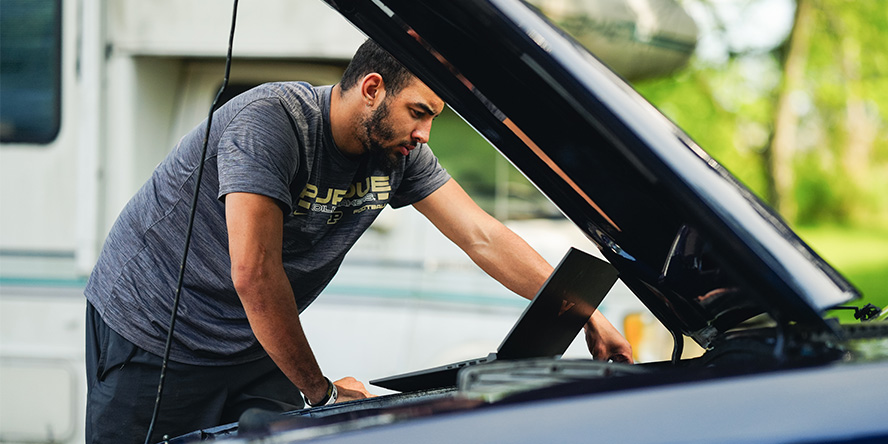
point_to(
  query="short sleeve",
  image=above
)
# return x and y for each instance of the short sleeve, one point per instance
(422, 176)
(258, 152)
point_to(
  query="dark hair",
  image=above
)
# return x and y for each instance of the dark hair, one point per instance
(371, 58)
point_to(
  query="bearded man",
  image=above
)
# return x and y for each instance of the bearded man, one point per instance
(294, 174)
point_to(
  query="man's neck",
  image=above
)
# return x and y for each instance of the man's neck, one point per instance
(343, 118)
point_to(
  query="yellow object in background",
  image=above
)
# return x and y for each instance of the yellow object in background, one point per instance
(651, 341)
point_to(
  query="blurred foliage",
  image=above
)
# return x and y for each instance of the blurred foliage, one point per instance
(839, 167)
(861, 255)
(728, 103)
(840, 159)
(465, 154)
(497, 186)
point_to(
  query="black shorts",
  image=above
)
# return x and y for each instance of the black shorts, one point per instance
(122, 382)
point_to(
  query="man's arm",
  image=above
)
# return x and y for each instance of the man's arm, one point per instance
(509, 259)
(255, 235)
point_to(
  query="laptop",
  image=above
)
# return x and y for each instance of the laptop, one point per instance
(546, 328)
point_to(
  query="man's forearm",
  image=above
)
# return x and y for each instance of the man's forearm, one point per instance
(506, 257)
(274, 317)
(255, 237)
(491, 245)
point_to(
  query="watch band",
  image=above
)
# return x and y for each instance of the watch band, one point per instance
(328, 399)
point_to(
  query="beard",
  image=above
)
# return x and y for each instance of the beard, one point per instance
(376, 132)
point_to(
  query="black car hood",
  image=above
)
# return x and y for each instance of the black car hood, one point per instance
(696, 247)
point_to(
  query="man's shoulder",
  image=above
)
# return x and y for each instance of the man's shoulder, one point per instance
(294, 100)
(301, 90)
(297, 97)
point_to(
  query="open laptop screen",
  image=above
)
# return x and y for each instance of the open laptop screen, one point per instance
(546, 328)
(564, 303)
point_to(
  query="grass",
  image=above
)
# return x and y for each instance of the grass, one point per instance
(860, 254)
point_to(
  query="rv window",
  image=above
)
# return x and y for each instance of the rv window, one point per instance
(30, 70)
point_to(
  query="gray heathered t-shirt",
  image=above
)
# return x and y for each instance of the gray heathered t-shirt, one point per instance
(273, 140)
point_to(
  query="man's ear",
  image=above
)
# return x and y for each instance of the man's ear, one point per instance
(372, 88)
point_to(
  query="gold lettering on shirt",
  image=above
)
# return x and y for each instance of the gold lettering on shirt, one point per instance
(334, 196)
(359, 189)
(310, 191)
(359, 193)
(380, 183)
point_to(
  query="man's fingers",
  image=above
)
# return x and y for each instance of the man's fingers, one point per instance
(622, 357)
(351, 384)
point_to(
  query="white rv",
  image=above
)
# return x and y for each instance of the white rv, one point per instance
(94, 93)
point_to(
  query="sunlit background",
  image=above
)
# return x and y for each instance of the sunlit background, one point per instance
(791, 96)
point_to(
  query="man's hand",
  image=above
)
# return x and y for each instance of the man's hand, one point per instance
(350, 389)
(605, 342)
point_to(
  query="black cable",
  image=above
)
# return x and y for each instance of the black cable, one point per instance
(200, 168)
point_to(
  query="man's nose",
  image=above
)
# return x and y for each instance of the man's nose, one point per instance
(421, 133)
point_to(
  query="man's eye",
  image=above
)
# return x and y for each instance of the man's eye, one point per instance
(416, 114)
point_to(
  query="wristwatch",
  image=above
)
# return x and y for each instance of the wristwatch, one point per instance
(328, 399)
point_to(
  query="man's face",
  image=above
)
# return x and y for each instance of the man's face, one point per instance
(401, 122)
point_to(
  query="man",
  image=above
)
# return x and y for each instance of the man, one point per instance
(294, 175)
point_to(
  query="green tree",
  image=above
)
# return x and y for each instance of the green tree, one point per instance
(801, 123)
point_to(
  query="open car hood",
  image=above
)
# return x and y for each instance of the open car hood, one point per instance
(697, 247)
